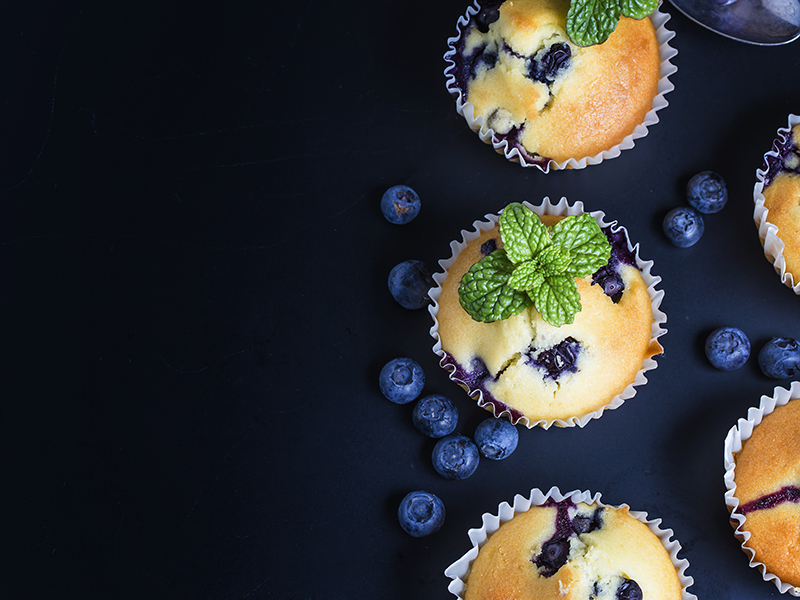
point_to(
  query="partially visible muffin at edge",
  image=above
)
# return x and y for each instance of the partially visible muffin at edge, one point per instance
(767, 477)
(782, 197)
(553, 99)
(568, 551)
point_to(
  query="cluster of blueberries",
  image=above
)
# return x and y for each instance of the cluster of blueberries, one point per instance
(455, 456)
(706, 193)
(728, 348)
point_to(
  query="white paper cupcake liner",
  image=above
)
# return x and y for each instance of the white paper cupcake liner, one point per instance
(733, 444)
(459, 570)
(562, 208)
(767, 232)
(502, 146)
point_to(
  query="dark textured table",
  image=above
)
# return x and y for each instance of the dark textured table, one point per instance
(195, 308)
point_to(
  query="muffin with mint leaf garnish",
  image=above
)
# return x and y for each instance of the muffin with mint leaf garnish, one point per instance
(777, 204)
(555, 84)
(546, 314)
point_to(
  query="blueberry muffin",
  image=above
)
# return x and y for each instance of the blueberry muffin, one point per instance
(538, 373)
(767, 479)
(777, 197)
(565, 551)
(546, 99)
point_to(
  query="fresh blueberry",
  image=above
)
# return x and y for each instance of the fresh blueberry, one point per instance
(420, 513)
(780, 358)
(400, 204)
(727, 348)
(683, 226)
(409, 283)
(629, 590)
(707, 192)
(401, 380)
(435, 416)
(496, 438)
(455, 456)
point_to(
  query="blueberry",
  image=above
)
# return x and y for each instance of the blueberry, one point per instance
(488, 246)
(455, 456)
(707, 192)
(559, 359)
(727, 348)
(400, 204)
(488, 14)
(420, 513)
(554, 555)
(496, 438)
(409, 283)
(587, 523)
(629, 590)
(483, 55)
(612, 283)
(435, 416)
(683, 227)
(546, 68)
(780, 358)
(401, 380)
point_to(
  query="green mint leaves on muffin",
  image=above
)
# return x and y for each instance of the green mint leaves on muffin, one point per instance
(537, 266)
(592, 21)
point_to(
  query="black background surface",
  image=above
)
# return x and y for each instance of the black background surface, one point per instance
(195, 312)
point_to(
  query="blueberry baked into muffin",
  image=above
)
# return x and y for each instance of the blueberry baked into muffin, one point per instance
(777, 197)
(767, 479)
(536, 369)
(546, 97)
(565, 550)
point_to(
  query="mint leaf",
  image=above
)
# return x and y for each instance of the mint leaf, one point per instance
(554, 259)
(536, 265)
(484, 291)
(638, 9)
(526, 276)
(557, 299)
(592, 21)
(522, 232)
(587, 243)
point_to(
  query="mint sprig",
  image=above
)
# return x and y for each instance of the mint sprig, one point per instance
(536, 266)
(484, 292)
(590, 22)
